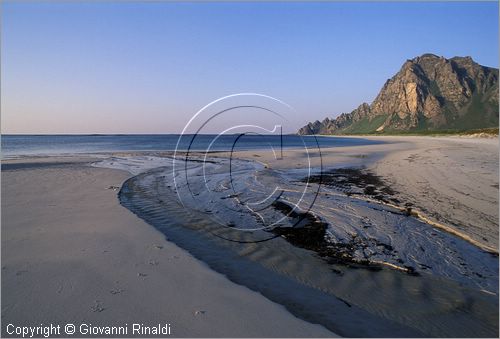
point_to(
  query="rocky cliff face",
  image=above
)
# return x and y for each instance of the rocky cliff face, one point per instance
(428, 93)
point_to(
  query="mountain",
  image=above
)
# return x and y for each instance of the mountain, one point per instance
(428, 93)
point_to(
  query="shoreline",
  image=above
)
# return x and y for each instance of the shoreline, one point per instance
(371, 163)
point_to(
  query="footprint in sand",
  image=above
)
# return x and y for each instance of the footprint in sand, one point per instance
(97, 307)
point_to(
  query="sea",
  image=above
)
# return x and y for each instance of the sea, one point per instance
(28, 145)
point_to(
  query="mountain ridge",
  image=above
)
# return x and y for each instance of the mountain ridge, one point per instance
(428, 93)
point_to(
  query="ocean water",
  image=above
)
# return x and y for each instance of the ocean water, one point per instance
(22, 145)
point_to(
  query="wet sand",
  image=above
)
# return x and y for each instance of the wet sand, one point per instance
(72, 254)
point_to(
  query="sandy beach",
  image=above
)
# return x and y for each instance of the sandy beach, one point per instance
(454, 181)
(72, 254)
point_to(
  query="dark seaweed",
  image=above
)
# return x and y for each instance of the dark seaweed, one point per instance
(344, 179)
(310, 234)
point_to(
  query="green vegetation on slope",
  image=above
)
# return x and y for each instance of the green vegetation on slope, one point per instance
(484, 131)
(365, 125)
(478, 114)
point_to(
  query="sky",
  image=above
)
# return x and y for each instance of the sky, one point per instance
(148, 67)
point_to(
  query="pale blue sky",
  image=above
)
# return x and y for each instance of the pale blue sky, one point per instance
(147, 67)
